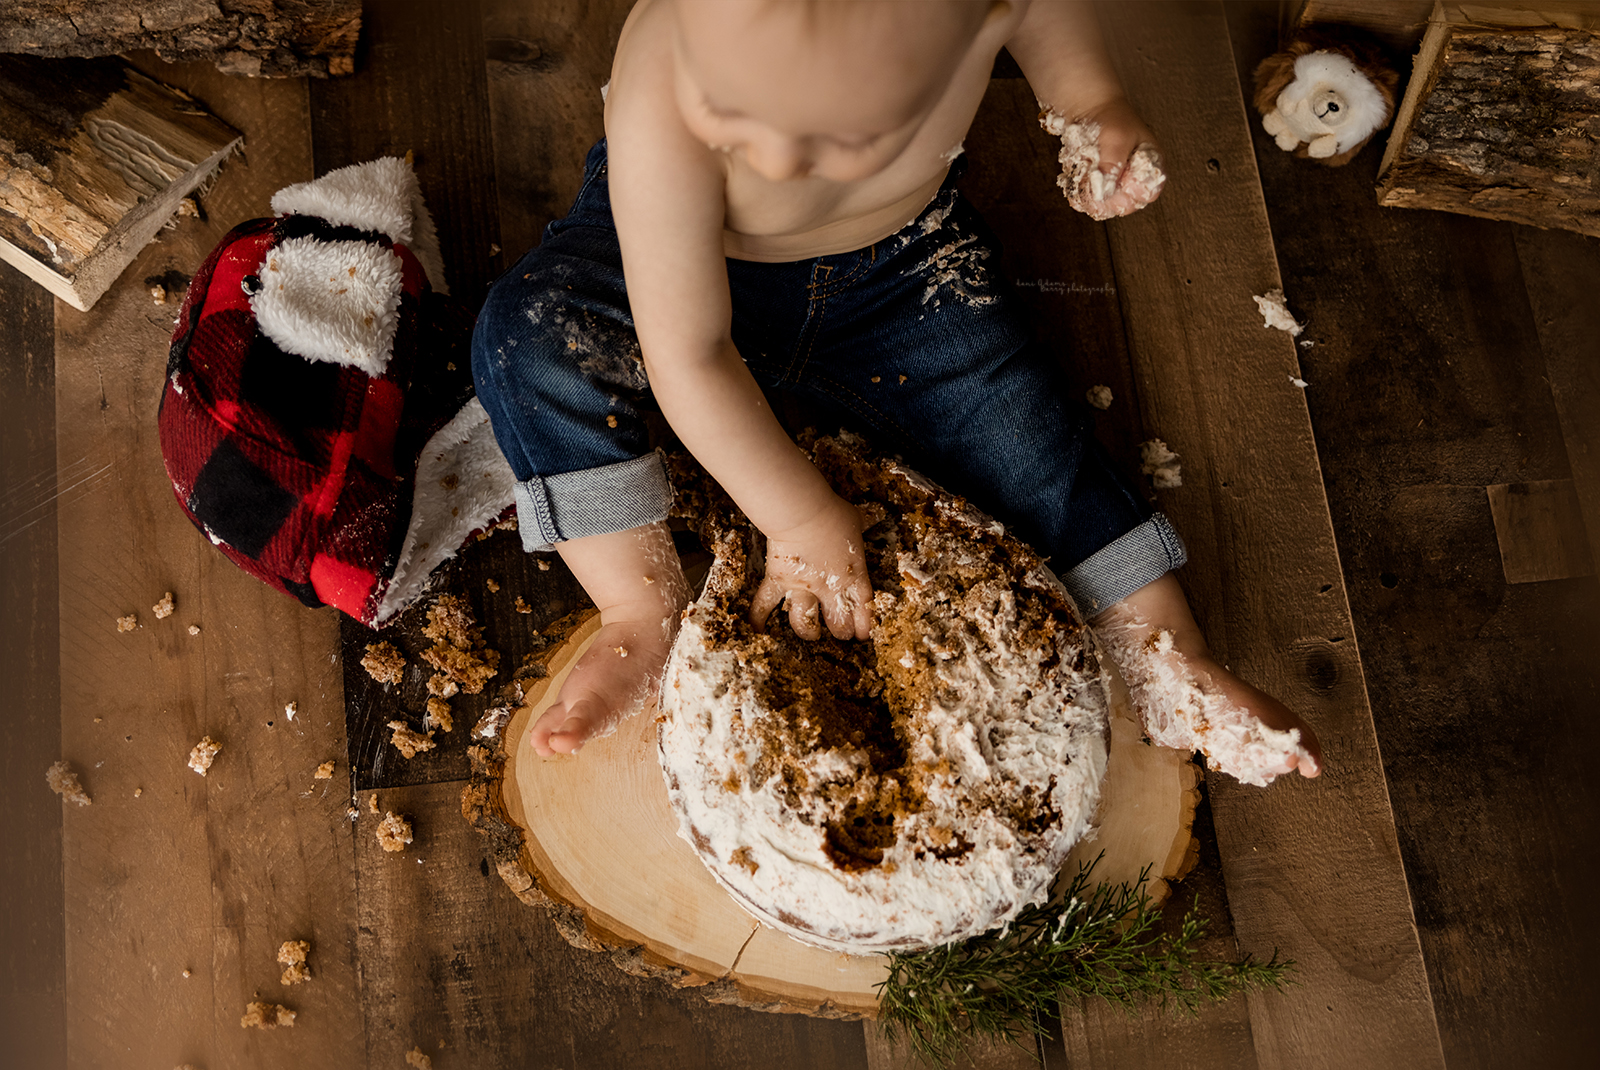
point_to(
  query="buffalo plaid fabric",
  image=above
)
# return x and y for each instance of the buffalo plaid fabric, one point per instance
(300, 471)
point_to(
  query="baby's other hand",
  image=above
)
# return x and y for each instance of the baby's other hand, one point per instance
(1126, 173)
(820, 568)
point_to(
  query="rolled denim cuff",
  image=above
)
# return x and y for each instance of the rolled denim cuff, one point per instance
(593, 501)
(1113, 572)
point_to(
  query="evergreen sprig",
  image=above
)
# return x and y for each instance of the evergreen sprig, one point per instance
(1099, 940)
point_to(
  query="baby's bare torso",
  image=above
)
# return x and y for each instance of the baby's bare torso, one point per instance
(806, 217)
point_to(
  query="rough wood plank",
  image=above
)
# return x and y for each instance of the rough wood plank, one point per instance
(32, 930)
(208, 875)
(1427, 383)
(1540, 531)
(449, 954)
(1559, 270)
(1313, 867)
(1496, 119)
(882, 1054)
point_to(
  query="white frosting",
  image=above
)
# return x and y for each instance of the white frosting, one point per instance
(997, 715)
(1086, 186)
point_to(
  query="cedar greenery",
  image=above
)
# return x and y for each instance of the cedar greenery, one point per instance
(1096, 940)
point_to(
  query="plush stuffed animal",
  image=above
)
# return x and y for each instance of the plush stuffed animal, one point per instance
(1324, 96)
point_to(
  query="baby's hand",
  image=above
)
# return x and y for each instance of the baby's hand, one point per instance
(820, 567)
(1110, 165)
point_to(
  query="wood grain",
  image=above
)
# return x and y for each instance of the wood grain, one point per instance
(1540, 530)
(1313, 867)
(32, 928)
(208, 875)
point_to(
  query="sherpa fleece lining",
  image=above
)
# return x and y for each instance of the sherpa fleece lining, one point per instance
(380, 195)
(463, 485)
(331, 301)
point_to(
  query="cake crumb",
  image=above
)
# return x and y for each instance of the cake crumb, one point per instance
(622, 651)
(1275, 313)
(188, 972)
(163, 608)
(194, 629)
(741, 857)
(137, 792)
(292, 954)
(416, 1058)
(290, 709)
(384, 663)
(203, 754)
(1160, 464)
(1099, 396)
(649, 579)
(611, 421)
(394, 833)
(408, 741)
(259, 1015)
(492, 585)
(902, 379)
(544, 566)
(128, 623)
(64, 782)
(522, 605)
(438, 715)
(877, 378)
(372, 802)
(324, 771)
(458, 653)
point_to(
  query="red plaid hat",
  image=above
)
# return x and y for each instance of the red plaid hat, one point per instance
(318, 419)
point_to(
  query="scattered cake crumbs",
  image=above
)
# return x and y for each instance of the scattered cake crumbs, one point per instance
(194, 629)
(163, 608)
(128, 623)
(384, 663)
(293, 956)
(649, 579)
(611, 421)
(544, 566)
(158, 294)
(1099, 396)
(353, 813)
(493, 586)
(458, 652)
(204, 753)
(137, 792)
(877, 378)
(408, 741)
(415, 1057)
(290, 709)
(188, 972)
(1160, 464)
(1275, 313)
(622, 651)
(438, 715)
(394, 833)
(902, 379)
(372, 802)
(522, 605)
(64, 782)
(741, 857)
(259, 1015)
(324, 771)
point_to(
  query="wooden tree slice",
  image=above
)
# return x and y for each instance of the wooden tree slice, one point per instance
(592, 838)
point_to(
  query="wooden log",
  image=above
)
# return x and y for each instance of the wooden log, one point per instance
(267, 38)
(1499, 119)
(95, 158)
(594, 840)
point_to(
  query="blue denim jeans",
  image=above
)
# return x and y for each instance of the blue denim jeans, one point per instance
(912, 341)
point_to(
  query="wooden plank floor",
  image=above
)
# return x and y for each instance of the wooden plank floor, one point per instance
(1428, 385)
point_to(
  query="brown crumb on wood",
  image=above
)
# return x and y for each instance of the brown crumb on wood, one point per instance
(1099, 396)
(194, 629)
(163, 608)
(544, 566)
(203, 754)
(259, 1015)
(290, 709)
(137, 792)
(394, 833)
(493, 586)
(372, 802)
(438, 715)
(1160, 464)
(64, 782)
(741, 857)
(158, 294)
(522, 605)
(408, 741)
(415, 1057)
(442, 686)
(324, 771)
(128, 623)
(384, 663)
(188, 972)
(293, 956)
(458, 652)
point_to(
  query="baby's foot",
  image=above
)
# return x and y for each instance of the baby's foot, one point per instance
(617, 677)
(1188, 701)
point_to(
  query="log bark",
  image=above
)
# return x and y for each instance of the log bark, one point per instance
(1499, 119)
(262, 38)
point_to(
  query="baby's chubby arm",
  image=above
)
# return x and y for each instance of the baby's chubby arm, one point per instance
(1060, 49)
(667, 200)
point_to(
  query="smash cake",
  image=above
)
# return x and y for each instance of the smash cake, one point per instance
(914, 790)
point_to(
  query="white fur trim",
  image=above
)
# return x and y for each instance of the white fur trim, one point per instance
(330, 301)
(463, 484)
(381, 195)
(1362, 105)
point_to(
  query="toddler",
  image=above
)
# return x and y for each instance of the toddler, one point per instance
(773, 210)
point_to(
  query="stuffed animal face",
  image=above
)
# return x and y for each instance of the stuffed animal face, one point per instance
(1322, 100)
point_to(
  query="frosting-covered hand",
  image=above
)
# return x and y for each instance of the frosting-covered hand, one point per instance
(819, 568)
(1110, 165)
